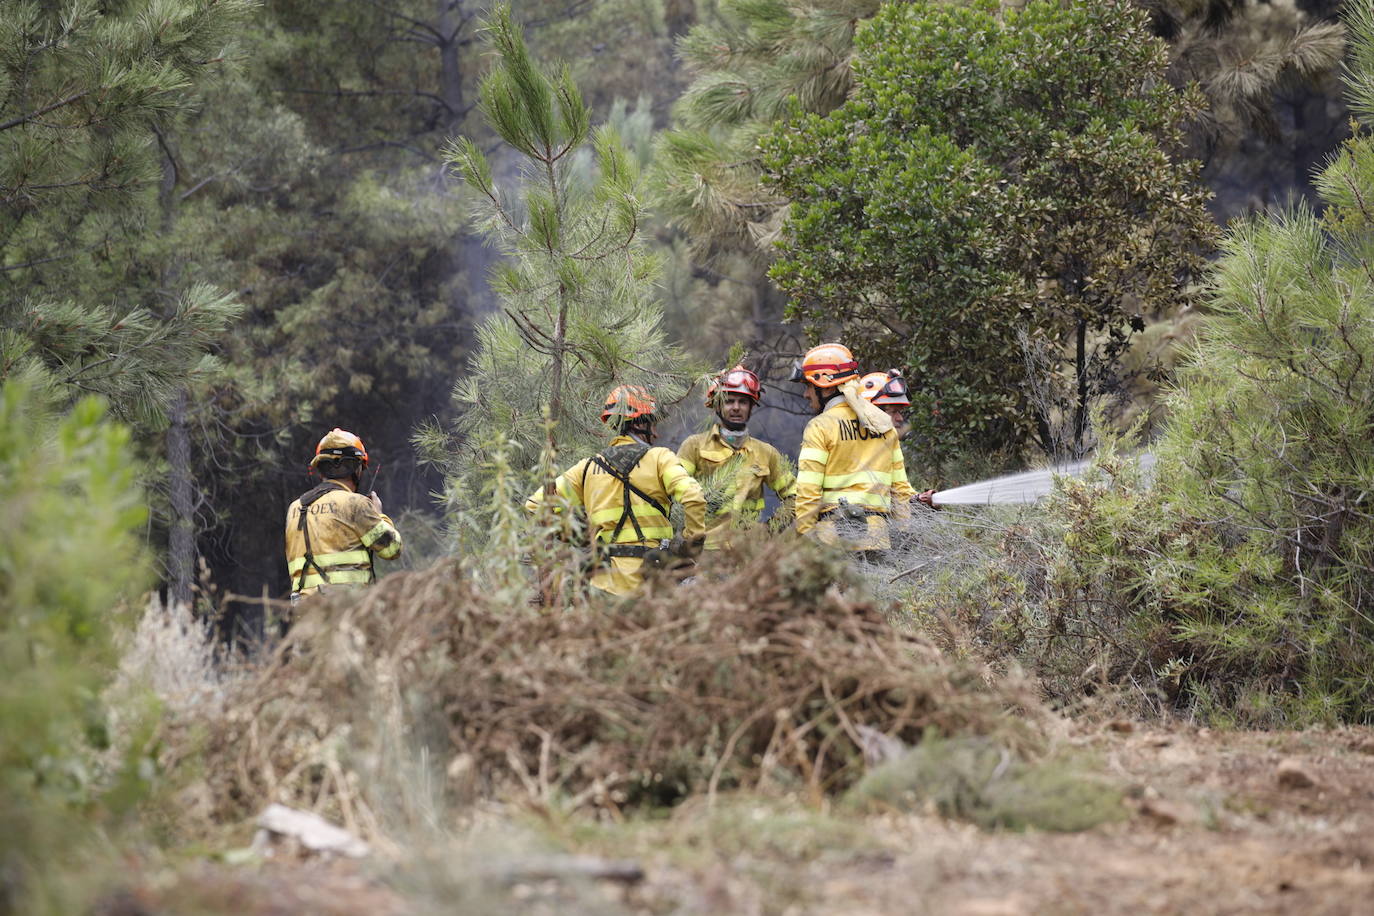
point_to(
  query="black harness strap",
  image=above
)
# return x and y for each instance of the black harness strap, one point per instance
(308, 500)
(619, 462)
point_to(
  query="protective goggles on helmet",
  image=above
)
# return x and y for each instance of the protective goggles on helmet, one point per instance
(339, 443)
(738, 380)
(827, 365)
(894, 390)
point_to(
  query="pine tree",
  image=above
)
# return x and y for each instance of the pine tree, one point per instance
(1251, 559)
(578, 312)
(1240, 53)
(1270, 71)
(86, 88)
(750, 67)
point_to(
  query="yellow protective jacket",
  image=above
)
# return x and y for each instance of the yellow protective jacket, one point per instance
(841, 459)
(658, 475)
(734, 499)
(345, 530)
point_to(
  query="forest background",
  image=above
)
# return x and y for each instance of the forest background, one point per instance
(226, 225)
(262, 238)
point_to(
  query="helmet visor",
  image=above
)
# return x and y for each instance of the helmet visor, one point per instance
(895, 388)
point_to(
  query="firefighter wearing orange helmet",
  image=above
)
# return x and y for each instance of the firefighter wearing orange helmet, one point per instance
(333, 532)
(733, 465)
(626, 491)
(888, 391)
(849, 455)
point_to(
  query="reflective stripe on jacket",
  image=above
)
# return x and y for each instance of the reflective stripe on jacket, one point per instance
(346, 530)
(841, 459)
(735, 498)
(659, 475)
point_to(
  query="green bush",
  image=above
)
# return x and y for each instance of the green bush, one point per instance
(1179, 594)
(68, 554)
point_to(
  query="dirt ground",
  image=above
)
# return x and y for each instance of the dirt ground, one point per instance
(1218, 822)
(1234, 822)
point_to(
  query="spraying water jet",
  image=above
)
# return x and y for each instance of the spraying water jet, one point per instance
(1023, 487)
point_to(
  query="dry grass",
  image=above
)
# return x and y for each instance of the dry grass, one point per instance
(755, 677)
(172, 653)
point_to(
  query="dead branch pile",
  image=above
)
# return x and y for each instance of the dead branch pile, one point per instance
(757, 675)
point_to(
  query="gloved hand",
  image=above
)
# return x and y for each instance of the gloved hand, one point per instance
(686, 548)
(927, 498)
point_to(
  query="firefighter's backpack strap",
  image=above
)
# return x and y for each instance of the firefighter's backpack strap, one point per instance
(308, 500)
(619, 462)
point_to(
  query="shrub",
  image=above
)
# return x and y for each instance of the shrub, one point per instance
(978, 780)
(1240, 585)
(1254, 555)
(68, 555)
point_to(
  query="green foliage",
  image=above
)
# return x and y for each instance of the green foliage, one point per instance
(977, 780)
(83, 80)
(579, 313)
(1239, 585)
(750, 65)
(131, 356)
(87, 88)
(993, 174)
(69, 552)
(1263, 574)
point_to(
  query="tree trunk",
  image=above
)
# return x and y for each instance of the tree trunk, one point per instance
(560, 334)
(181, 531)
(450, 27)
(181, 536)
(560, 331)
(679, 16)
(1080, 417)
(470, 250)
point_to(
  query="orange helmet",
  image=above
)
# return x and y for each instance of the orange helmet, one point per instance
(339, 443)
(739, 380)
(628, 402)
(826, 366)
(884, 388)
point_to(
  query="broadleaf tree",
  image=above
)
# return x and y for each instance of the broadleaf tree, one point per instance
(997, 180)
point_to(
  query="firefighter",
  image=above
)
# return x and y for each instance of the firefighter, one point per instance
(888, 390)
(737, 465)
(849, 455)
(626, 490)
(333, 532)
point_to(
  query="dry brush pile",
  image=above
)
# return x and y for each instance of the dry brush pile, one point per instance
(758, 675)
